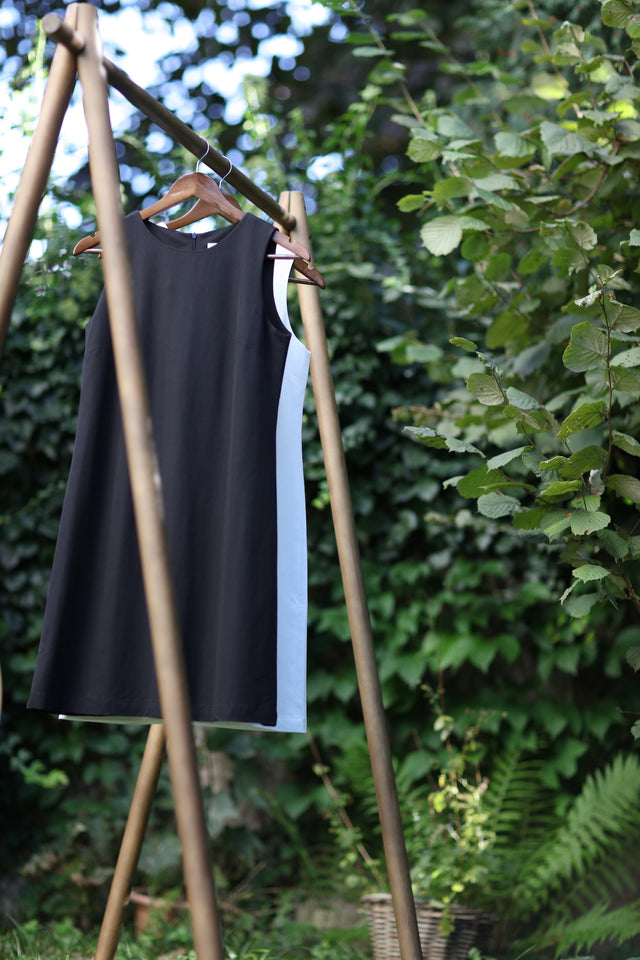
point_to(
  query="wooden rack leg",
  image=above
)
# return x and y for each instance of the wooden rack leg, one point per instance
(33, 182)
(131, 843)
(356, 601)
(147, 499)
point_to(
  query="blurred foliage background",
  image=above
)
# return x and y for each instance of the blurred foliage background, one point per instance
(461, 602)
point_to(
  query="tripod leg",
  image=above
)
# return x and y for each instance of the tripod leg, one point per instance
(147, 499)
(357, 609)
(33, 181)
(131, 843)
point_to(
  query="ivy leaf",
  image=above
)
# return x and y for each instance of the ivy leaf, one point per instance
(587, 349)
(587, 415)
(442, 235)
(583, 521)
(485, 388)
(626, 486)
(496, 505)
(590, 571)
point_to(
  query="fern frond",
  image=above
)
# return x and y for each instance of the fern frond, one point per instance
(599, 925)
(585, 856)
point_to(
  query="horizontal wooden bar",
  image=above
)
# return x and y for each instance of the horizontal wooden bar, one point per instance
(179, 131)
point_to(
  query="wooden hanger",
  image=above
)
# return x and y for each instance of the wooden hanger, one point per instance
(211, 201)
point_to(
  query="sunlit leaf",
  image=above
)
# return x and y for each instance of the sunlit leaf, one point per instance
(590, 571)
(442, 235)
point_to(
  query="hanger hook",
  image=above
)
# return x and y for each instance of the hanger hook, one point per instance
(222, 179)
(200, 159)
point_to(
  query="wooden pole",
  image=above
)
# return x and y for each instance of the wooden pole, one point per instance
(356, 601)
(33, 182)
(131, 843)
(147, 498)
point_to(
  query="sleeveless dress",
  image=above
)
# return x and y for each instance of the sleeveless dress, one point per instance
(226, 379)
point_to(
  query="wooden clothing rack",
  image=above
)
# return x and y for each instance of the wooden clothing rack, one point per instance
(79, 52)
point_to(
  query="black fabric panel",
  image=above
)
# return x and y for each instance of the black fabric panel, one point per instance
(214, 351)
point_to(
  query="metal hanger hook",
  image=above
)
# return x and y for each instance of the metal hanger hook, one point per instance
(224, 157)
(200, 159)
(222, 179)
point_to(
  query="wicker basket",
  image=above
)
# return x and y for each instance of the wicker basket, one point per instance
(471, 928)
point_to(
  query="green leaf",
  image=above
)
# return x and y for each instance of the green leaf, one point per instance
(562, 142)
(461, 446)
(485, 388)
(477, 482)
(533, 260)
(587, 415)
(590, 571)
(521, 400)
(513, 145)
(502, 459)
(624, 442)
(496, 505)
(633, 659)
(628, 358)
(587, 348)
(615, 545)
(584, 521)
(427, 436)
(451, 187)
(497, 268)
(560, 489)
(422, 150)
(467, 345)
(529, 519)
(626, 486)
(581, 606)
(442, 235)
(622, 316)
(412, 201)
(370, 52)
(555, 522)
(617, 13)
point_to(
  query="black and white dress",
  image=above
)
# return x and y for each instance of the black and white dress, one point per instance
(226, 379)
